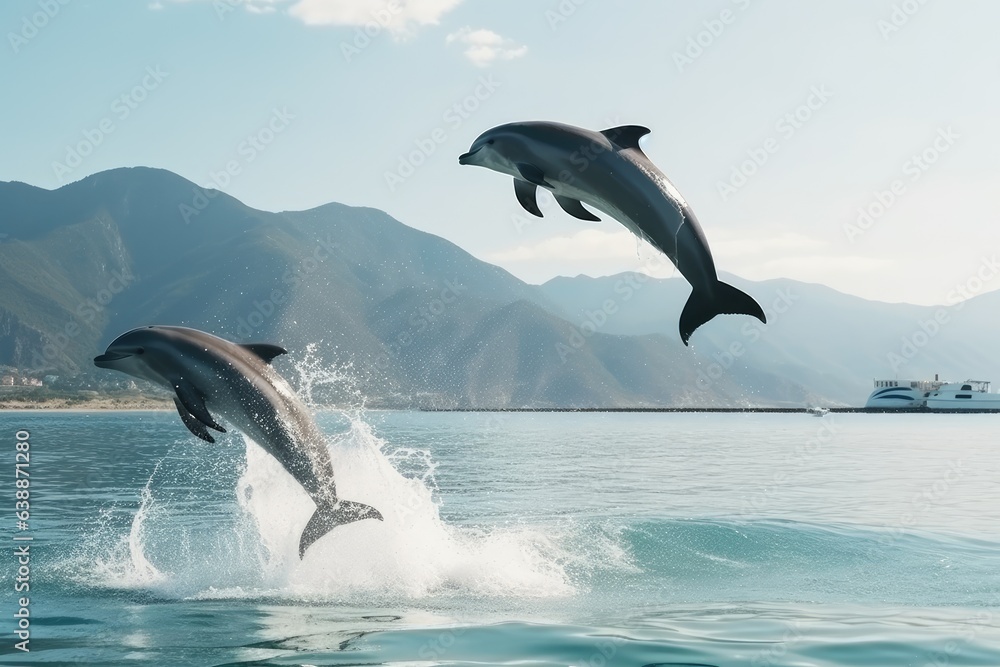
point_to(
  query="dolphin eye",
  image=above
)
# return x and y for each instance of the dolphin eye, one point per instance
(140, 350)
(489, 142)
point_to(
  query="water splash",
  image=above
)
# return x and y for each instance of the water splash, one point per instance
(321, 386)
(227, 524)
(124, 564)
(413, 553)
(142, 571)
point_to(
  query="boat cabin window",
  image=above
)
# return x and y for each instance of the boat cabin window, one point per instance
(963, 395)
(966, 387)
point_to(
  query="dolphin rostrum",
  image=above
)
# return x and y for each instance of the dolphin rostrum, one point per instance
(209, 374)
(610, 172)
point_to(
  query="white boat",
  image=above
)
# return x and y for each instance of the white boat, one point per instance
(933, 395)
(896, 394)
(968, 395)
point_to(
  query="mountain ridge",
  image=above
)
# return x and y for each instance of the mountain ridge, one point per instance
(421, 322)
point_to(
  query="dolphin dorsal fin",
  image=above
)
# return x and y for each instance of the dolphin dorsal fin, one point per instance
(265, 351)
(626, 136)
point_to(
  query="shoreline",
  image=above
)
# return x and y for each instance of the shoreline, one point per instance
(84, 405)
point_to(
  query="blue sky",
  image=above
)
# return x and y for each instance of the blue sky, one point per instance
(883, 106)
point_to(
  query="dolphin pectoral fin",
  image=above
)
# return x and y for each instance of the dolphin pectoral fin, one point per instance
(265, 351)
(576, 209)
(193, 424)
(526, 196)
(194, 402)
(626, 136)
(326, 518)
(724, 300)
(532, 174)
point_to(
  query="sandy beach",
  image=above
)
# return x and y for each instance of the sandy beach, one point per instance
(87, 404)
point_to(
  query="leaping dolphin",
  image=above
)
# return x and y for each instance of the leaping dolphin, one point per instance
(209, 374)
(610, 172)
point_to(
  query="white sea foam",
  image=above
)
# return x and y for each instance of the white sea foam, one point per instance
(412, 554)
(243, 541)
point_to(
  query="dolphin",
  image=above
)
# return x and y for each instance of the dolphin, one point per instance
(208, 374)
(609, 171)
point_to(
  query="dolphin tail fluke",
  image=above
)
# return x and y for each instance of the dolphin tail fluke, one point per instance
(326, 518)
(724, 300)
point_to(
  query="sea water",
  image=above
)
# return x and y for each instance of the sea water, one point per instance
(515, 539)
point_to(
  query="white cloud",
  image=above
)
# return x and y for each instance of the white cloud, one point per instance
(261, 6)
(726, 244)
(399, 17)
(483, 47)
(587, 244)
(622, 244)
(591, 251)
(820, 267)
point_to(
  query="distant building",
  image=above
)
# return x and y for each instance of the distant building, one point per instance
(7, 381)
(31, 382)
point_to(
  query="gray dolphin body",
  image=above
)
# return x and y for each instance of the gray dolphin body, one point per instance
(609, 171)
(209, 374)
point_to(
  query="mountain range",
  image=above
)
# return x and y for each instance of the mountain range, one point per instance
(414, 321)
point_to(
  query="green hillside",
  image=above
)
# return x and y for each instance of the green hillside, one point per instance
(418, 321)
